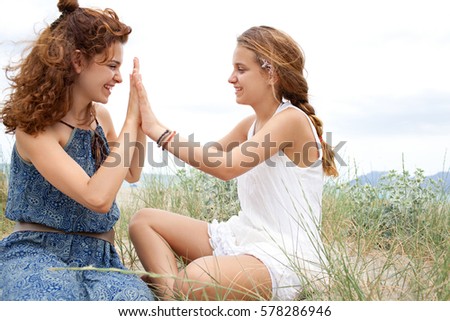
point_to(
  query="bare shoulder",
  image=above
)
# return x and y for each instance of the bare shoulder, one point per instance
(27, 145)
(293, 118)
(25, 138)
(289, 125)
(293, 115)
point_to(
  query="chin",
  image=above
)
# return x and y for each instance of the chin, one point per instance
(240, 101)
(102, 101)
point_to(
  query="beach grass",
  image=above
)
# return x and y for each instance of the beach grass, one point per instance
(385, 242)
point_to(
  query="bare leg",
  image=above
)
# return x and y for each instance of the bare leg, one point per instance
(241, 277)
(159, 237)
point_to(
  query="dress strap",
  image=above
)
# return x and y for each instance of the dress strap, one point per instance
(62, 121)
(73, 127)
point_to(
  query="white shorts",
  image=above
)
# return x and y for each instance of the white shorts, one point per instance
(286, 282)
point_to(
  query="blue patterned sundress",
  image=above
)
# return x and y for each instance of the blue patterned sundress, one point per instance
(26, 257)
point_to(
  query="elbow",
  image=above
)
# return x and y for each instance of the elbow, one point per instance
(226, 178)
(100, 205)
(226, 175)
(103, 209)
(132, 179)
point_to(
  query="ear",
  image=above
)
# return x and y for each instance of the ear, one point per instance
(273, 78)
(77, 61)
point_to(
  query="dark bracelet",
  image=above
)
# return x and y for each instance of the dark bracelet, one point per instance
(161, 137)
(172, 135)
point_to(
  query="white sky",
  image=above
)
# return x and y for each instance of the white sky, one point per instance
(378, 71)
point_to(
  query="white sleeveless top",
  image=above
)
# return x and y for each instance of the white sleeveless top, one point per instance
(280, 212)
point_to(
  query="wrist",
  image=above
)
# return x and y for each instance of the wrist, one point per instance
(153, 130)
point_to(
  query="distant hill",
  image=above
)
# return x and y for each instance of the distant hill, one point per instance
(373, 178)
(445, 176)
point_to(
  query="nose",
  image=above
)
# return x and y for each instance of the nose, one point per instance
(118, 77)
(232, 79)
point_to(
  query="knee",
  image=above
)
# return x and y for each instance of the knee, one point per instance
(141, 219)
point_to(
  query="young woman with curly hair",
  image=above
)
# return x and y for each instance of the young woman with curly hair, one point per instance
(64, 175)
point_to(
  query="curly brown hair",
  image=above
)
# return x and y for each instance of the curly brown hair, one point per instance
(40, 84)
(287, 60)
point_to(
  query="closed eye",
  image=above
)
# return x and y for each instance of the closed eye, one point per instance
(240, 68)
(114, 64)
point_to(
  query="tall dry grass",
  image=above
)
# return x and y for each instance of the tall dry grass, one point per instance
(384, 242)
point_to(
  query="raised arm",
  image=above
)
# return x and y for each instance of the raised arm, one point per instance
(98, 192)
(234, 154)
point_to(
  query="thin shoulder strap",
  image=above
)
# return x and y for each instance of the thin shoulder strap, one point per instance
(73, 127)
(62, 121)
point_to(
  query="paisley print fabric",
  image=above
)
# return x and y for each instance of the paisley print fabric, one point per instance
(28, 259)
(33, 199)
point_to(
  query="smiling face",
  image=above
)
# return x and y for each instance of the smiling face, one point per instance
(97, 78)
(251, 82)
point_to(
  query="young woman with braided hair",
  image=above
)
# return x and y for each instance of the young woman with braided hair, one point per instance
(272, 247)
(64, 178)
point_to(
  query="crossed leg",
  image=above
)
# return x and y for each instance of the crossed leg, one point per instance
(161, 237)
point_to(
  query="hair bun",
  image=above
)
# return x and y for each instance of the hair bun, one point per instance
(68, 6)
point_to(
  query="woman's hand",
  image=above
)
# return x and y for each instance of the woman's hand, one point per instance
(133, 102)
(149, 122)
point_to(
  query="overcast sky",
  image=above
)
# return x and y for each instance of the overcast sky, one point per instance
(378, 71)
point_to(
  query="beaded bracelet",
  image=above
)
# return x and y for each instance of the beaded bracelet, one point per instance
(172, 135)
(158, 142)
